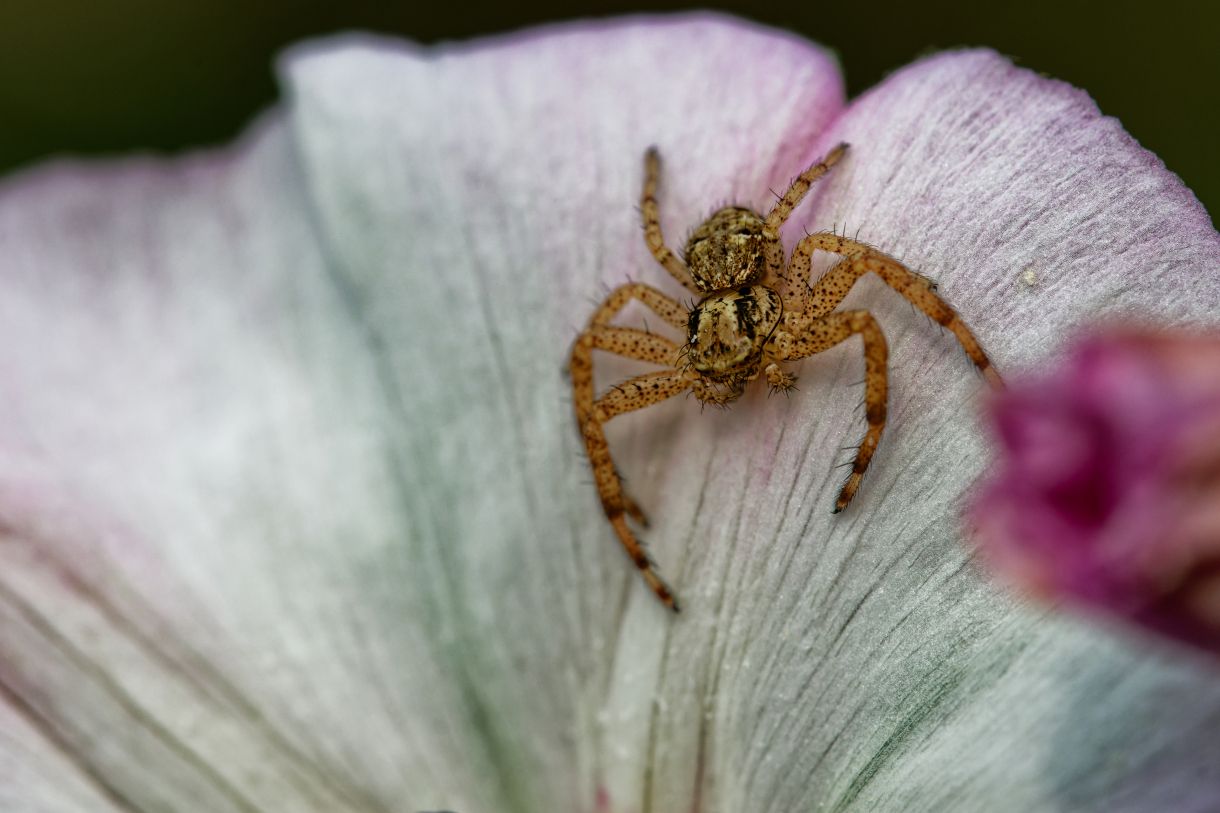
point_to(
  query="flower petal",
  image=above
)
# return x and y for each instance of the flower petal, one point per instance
(168, 348)
(292, 516)
(474, 269)
(870, 635)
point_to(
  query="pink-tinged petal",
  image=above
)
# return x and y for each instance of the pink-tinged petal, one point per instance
(1108, 489)
(1034, 213)
(866, 640)
(473, 269)
(292, 515)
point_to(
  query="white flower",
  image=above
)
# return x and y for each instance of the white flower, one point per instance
(293, 515)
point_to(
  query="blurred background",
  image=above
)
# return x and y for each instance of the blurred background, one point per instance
(90, 77)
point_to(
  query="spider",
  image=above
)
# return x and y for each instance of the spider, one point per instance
(754, 313)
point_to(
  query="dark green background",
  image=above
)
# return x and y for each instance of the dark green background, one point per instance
(112, 76)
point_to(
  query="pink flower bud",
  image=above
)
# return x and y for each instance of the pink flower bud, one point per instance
(1107, 492)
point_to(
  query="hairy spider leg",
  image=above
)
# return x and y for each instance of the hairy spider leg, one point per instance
(859, 258)
(631, 395)
(783, 208)
(652, 223)
(806, 336)
(628, 396)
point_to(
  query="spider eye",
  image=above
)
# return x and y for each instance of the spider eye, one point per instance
(743, 232)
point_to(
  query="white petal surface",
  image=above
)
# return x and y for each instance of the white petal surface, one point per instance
(189, 443)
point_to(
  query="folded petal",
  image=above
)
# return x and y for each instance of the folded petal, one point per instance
(189, 477)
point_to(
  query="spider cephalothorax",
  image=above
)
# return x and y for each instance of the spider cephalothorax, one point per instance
(755, 312)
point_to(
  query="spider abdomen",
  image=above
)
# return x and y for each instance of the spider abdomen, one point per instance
(727, 330)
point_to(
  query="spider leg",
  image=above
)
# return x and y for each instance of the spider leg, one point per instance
(858, 260)
(792, 198)
(824, 333)
(652, 223)
(634, 344)
(628, 342)
(633, 394)
(667, 308)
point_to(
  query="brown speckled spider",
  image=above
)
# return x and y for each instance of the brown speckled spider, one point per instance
(752, 315)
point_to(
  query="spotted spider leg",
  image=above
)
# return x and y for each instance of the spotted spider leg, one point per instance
(810, 324)
(859, 259)
(783, 208)
(652, 224)
(633, 394)
(804, 335)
